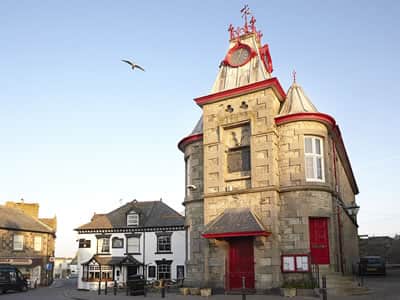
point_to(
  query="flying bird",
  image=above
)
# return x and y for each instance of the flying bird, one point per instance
(133, 65)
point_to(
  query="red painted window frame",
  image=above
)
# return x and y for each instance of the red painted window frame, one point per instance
(295, 263)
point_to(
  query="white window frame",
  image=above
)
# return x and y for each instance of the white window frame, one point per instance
(164, 270)
(128, 245)
(314, 157)
(163, 241)
(132, 219)
(18, 242)
(103, 245)
(37, 243)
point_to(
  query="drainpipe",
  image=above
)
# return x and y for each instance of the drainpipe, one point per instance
(144, 257)
(338, 210)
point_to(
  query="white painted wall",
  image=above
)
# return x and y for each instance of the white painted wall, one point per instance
(177, 248)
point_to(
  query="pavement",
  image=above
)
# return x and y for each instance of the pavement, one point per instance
(382, 288)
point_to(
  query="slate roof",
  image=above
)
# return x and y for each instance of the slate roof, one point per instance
(16, 219)
(114, 260)
(198, 128)
(235, 220)
(151, 214)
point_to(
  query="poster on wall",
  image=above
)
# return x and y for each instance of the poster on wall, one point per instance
(288, 264)
(302, 263)
(295, 263)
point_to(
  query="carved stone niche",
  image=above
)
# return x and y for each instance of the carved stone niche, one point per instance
(237, 143)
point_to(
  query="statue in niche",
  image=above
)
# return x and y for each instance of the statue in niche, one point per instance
(245, 140)
(235, 141)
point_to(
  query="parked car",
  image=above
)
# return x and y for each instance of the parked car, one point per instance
(12, 279)
(372, 265)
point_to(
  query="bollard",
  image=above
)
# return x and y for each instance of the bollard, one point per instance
(115, 288)
(99, 290)
(360, 273)
(243, 288)
(162, 284)
(105, 287)
(324, 293)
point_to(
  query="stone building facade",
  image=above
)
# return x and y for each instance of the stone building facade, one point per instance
(27, 242)
(268, 180)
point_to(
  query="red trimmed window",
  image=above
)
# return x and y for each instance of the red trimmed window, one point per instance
(292, 263)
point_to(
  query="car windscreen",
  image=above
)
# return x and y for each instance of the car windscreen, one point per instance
(372, 260)
(4, 274)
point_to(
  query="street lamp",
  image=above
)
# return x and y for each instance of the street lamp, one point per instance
(353, 209)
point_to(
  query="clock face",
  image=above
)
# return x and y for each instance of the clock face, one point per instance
(239, 57)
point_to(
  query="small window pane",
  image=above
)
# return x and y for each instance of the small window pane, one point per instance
(84, 243)
(308, 145)
(319, 168)
(317, 146)
(239, 160)
(18, 242)
(117, 243)
(164, 271)
(309, 167)
(103, 245)
(164, 243)
(37, 245)
(180, 272)
(132, 219)
(133, 245)
(152, 271)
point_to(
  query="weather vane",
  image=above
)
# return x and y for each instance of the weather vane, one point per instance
(294, 76)
(245, 11)
(237, 32)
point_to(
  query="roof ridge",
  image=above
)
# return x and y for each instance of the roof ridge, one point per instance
(27, 216)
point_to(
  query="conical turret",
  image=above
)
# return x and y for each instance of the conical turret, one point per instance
(296, 101)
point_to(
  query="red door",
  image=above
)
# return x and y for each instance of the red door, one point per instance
(241, 263)
(319, 241)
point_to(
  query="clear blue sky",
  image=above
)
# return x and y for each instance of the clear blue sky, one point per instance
(79, 130)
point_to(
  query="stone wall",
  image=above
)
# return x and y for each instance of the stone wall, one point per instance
(194, 211)
(255, 189)
(257, 109)
(291, 154)
(266, 249)
(349, 229)
(28, 252)
(302, 199)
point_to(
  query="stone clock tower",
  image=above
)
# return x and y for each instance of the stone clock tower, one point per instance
(239, 169)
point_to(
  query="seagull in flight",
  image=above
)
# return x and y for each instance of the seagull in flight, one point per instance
(133, 65)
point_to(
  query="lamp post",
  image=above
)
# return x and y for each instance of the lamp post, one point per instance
(353, 209)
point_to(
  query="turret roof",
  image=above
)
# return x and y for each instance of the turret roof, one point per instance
(199, 127)
(296, 101)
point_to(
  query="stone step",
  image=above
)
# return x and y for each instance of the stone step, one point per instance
(348, 291)
(340, 285)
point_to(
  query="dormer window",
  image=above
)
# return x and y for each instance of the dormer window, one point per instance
(132, 219)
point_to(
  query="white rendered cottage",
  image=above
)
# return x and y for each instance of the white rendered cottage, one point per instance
(145, 238)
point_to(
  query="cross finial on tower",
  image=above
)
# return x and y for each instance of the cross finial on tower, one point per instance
(294, 76)
(245, 12)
